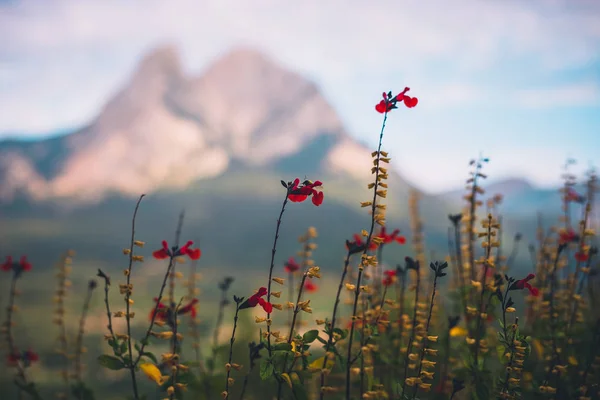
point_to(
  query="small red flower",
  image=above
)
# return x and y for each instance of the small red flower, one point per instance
(22, 265)
(291, 266)
(162, 312)
(31, 356)
(185, 250)
(297, 193)
(524, 284)
(257, 298)
(390, 277)
(572, 195)
(389, 102)
(581, 256)
(567, 236)
(393, 237)
(310, 287)
(12, 359)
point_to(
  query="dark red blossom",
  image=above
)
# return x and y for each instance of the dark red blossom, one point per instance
(524, 284)
(581, 256)
(175, 251)
(567, 236)
(389, 102)
(298, 193)
(393, 237)
(310, 287)
(390, 277)
(22, 265)
(12, 359)
(291, 266)
(27, 357)
(257, 298)
(163, 312)
(572, 195)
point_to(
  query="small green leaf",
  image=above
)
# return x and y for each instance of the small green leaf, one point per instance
(266, 369)
(151, 356)
(110, 362)
(310, 336)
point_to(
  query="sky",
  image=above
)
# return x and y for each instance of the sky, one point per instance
(516, 81)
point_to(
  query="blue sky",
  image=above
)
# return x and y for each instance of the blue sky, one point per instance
(518, 81)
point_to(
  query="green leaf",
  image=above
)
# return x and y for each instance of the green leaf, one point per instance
(110, 362)
(282, 347)
(310, 336)
(151, 356)
(342, 332)
(266, 369)
(123, 348)
(320, 339)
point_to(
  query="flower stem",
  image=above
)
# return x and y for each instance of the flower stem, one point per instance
(127, 305)
(332, 324)
(360, 268)
(231, 341)
(273, 251)
(79, 342)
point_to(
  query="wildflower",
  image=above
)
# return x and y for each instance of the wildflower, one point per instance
(524, 283)
(177, 251)
(257, 298)
(22, 265)
(297, 193)
(390, 277)
(567, 236)
(357, 245)
(153, 373)
(291, 266)
(458, 331)
(581, 256)
(389, 102)
(310, 287)
(572, 195)
(163, 313)
(392, 237)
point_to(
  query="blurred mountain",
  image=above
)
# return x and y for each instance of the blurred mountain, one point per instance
(215, 145)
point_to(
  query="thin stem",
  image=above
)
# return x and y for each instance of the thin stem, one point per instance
(9, 334)
(79, 342)
(422, 355)
(412, 333)
(127, 302)
(273, 251)
(361, 267)
(235, 319)
(333, 321)
(175, 349)
(483, 283)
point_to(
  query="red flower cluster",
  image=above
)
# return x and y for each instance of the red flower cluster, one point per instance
(524, 283)
(27, 357)
(393, 237)
(291, 266)
(389, 102)
(297, 193)
(390, 277)
(162, 312)
(184, 250)
(568, 236)
(310, 287)
(572, 195)
(22, 265)
(257, 298)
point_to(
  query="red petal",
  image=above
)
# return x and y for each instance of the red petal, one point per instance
(297, 198)
(410, 102)
(401, 239)
(381, 107)
(160, 254)
(317, 198)
(262, 291)
(194, 254)
(268, 307)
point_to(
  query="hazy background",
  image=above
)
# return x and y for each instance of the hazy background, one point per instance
(206, 105)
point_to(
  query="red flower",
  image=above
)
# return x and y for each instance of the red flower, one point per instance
(291, 266)
(162, 312)
(567, 236)
(184, 250)
(310, 287)
(389, 102)
(297, 193)
(12, 359)
(257, 298)
(31, 356)
(393, 237)
(390, 277)
(572, 195)
(581, 256)
(22, 265)
(524, 284)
